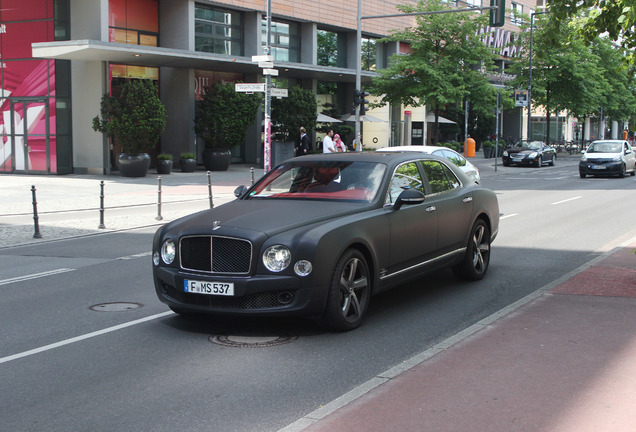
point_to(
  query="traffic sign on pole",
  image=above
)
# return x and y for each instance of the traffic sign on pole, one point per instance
(249, 87)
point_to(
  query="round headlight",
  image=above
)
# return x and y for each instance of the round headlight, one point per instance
(505, 153)
(303, 267)
(168, 251)
(276, 258)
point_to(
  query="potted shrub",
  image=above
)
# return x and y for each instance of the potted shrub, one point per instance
(221, 120)
(164, 163)
(187, 162)
(135, 119)
(489, 149)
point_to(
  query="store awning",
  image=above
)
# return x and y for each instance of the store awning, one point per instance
(366, 117)
(94, 50)
(321, 118)
(430, 118)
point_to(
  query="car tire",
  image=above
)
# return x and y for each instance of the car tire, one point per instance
(582, 174)
(553, 160)
(621, 173)
(475, 263)
(539, 162)
(349, 292)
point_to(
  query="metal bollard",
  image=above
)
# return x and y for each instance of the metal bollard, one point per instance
(159, 200)
(210, 189)
(252, 174)
(101, 205)
(36, 234)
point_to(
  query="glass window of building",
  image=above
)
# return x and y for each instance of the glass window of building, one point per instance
(285, 40)
(218, 31)
(516, 12)
(369, 54)
(327, 48)
(134, 22)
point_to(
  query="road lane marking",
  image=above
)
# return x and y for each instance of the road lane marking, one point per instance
(82, 337)
(566, 200)
(35, 276)
(508, 216)
(139, 255)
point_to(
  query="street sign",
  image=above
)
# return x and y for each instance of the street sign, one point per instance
(521, 98)
(264, 64)
(272, 72)
(249, 87)
(276, 92)
(262, 58)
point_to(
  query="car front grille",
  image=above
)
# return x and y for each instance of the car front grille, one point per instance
(599, 161)
(215, 254)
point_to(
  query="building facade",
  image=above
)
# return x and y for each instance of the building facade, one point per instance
(59, 57)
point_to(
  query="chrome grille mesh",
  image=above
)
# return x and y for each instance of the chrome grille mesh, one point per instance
(215, 254)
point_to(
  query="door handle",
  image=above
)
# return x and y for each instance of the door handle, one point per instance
(467, 199)
(430, 209)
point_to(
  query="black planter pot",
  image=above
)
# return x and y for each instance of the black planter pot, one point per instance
(164, 166)
(133, 166)
(216, 159)
(188, 165)
(489, 152)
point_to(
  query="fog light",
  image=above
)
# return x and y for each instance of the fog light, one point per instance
(303, 268)
(155, 258)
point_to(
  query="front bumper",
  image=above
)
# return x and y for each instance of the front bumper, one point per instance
(521, 160)
(253, 295)
(600, 168)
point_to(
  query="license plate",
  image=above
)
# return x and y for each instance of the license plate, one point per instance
(209, 288)
(598, 167)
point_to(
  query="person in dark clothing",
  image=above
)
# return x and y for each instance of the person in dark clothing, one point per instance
(302, 143)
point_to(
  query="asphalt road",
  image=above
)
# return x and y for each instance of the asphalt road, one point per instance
(130, 364)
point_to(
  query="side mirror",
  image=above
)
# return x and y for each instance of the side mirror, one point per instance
(409, 197)
(240, 191)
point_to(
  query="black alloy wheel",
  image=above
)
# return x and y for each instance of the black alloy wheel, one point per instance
(349, 292)
(477, 258)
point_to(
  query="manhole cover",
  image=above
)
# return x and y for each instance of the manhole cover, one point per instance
(241, 341)
(115, 307)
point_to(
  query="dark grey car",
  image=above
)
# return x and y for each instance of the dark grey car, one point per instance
(319, 234)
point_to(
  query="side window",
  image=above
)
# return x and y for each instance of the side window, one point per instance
(455, 158)
(406, 176)
(440, 177)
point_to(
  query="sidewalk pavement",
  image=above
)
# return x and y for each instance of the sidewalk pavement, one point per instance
(560, 360)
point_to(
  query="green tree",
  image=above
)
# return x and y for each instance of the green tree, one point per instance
(298, 109)
(223, 115)
(446, 63)
(616, 18)
(135, 118)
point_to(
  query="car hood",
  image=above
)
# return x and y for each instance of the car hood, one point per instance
(602, 155)
(268, 216)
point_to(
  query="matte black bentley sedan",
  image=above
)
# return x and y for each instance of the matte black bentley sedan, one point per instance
(319, 234)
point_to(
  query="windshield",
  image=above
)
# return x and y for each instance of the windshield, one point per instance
(331, 180)
(533, 145)
(605, 147)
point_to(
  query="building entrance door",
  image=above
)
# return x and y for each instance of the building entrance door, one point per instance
(29, 136)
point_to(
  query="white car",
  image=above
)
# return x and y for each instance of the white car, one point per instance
(608, 157)
(469, 169)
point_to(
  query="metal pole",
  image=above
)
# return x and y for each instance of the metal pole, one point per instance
(210, 189)
(252, 175)
(159, 199)
(497, 129)
(267, 133)
(101, 205)
(358, 144)
(466, 129)
(36, 224)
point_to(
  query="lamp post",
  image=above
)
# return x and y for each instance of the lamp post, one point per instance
(530, 70)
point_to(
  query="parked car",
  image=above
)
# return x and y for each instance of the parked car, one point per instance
(529, 153)
(608, 157)
(468, 168)
(319, 234)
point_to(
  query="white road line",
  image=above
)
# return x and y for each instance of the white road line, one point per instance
(139, 255)
(81, 338)
(34, 276)
(566, 200)
(508, 216)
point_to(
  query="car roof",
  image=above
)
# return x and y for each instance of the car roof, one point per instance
(413, 148)
(387, 157)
